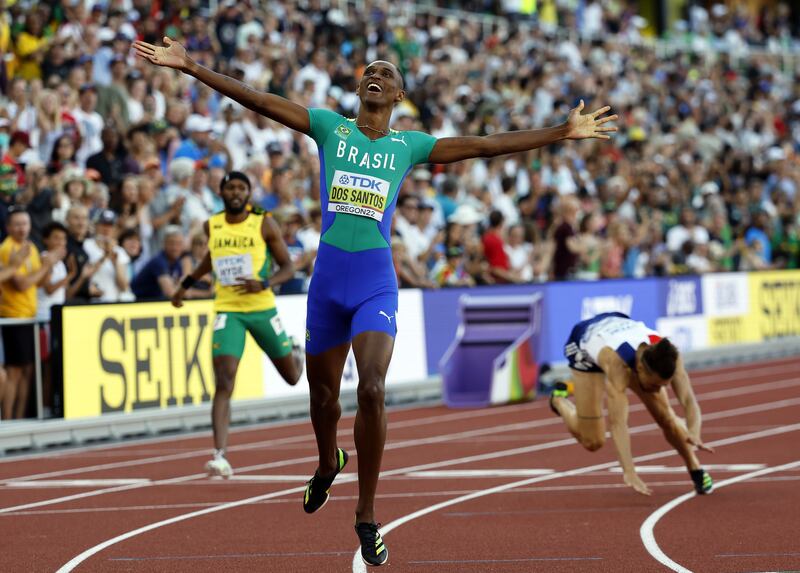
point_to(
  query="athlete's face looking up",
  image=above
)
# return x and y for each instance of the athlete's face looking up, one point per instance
(381, 84)
(235, 195)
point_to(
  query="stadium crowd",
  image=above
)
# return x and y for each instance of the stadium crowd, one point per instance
(121, 161)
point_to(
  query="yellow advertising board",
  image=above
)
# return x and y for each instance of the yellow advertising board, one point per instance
(772, 310)
(775, 303)
(126, 357)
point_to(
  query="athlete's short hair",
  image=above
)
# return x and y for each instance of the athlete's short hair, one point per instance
(661, 358)
(234, 175)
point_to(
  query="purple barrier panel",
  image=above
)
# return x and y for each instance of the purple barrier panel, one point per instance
(491, 361)
(442, 318)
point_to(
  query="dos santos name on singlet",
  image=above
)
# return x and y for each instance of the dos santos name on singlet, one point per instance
(358, 194)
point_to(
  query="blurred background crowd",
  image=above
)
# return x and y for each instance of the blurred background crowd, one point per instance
(111, 165)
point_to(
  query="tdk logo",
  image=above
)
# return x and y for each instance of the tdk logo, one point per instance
(682, 298)
(367, 183)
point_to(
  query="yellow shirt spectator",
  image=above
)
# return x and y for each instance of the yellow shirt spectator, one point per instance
(15, 303)
(29, 62)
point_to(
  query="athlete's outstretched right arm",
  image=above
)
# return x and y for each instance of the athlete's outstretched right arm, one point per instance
(173, 55)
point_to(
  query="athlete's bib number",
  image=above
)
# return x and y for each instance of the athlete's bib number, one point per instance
(232, 268)
(220, 321)
(276, 325)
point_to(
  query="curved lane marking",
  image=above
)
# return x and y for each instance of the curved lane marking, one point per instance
(646, 531)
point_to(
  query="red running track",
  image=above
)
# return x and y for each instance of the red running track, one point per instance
(527, 497)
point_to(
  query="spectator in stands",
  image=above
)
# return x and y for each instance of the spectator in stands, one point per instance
(291, 221)
(80, 288)
(519, 253)
(409, 273)
(688, 230)
(52, 291)
(18, 300)
(111, 277)
(565, 256)
(8, 189)
(17, 145)
(494, 249)
(89, 122)
(449, 271)
(109, 161)
(196, 146)
(167, 208)
(37, 198)
(159, 278)
(63, 154)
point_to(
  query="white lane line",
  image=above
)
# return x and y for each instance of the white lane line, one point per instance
(646, 530)
(777, 385)
(571, 489)
(433, 465)
(434, 419)
(308, 437)
(76, 483)
(705, 377)
(97, 548)
(681, 469)
(480, 473)
(302, 478)
(359, 567)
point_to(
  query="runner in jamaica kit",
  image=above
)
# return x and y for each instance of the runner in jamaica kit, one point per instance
(242, 242)
(353, 294)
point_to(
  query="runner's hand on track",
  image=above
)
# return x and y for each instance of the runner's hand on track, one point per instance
(698, 443)
(636, 483)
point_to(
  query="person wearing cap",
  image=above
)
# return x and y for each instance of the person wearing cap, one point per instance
(365, 162)
(243, 242)
(196, 146)
(18, 144)
(111, 260)
(449, 270)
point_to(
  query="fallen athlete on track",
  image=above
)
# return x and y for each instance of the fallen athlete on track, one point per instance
(610, 354)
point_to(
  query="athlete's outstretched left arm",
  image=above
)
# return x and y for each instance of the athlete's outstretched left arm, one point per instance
(277, 248)
(691, 409)
(577, 126)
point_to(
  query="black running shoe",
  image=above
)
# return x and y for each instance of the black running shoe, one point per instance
(703, 484)
(560, 390)
(318, 488)
(373, 551)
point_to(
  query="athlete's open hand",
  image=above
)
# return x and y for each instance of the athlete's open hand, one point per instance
(589, 125)
(633, 480)
(172, 54)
